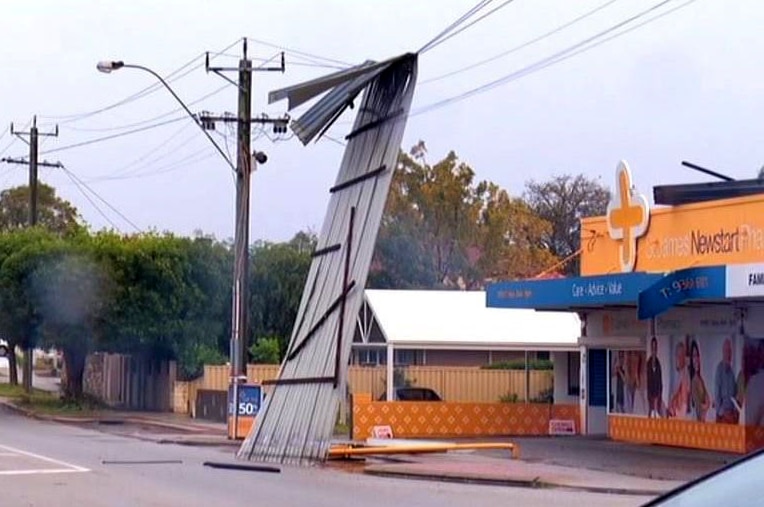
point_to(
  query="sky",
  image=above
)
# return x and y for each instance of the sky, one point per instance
(685, 86)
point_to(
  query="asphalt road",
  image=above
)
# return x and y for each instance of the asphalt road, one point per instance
(47, 464)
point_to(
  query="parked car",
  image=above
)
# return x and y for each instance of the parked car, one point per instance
(738, 484)
(413, 394)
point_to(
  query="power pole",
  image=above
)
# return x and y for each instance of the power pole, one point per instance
(244, 166)
(34, 136)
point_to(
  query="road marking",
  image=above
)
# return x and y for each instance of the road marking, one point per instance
(67, 467)
(42, 471)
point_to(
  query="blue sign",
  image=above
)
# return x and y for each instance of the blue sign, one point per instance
(679, 286)
(569, 293)
(249, 402)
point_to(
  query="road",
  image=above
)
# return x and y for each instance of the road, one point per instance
(47, 464)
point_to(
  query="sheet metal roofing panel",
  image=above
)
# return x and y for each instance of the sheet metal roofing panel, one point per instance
(296, 423)
(460, 319)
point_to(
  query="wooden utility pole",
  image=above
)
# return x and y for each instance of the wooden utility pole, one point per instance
(33, 163)
(245, 160)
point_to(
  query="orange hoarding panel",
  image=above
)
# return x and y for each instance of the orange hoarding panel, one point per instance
(678, 433)
(729, 231)
(413, 419)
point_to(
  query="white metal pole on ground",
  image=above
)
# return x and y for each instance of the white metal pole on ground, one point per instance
(390, 372)
(527, 380)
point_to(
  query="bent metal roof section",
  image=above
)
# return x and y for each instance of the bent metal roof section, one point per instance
(460, 320)
(296, 423)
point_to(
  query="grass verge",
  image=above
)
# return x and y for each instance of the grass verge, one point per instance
(43, 402)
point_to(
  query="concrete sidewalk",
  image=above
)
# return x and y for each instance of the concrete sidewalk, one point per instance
(480, 469)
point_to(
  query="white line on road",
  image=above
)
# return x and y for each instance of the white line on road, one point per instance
(69, 467)
(42, 471)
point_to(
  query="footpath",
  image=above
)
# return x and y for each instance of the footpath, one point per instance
(580, 463)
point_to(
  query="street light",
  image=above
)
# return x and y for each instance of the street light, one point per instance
(108, 66)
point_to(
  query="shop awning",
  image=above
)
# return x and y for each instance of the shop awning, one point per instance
(712, 284)
(571, 294)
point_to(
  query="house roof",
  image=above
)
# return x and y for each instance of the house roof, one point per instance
(437, 319)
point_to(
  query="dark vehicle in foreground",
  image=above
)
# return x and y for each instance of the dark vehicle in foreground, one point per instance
(735, 485)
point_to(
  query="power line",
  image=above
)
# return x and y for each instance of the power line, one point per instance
(298, 52)
(92, 202)
(523, 45)
(571, 51)
(464, 17)
(172, 77)
(155, 118)
(185, 162)
(77, 179)
(156, 148)
(465, 27)
(114, 136)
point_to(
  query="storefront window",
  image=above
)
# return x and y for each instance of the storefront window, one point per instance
(574, 373)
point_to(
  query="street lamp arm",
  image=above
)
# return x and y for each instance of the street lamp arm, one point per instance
(108, 66)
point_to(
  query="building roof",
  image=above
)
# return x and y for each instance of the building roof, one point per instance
(437, 319)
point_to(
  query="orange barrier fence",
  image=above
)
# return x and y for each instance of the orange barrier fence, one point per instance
(681, 433)
(413, 419)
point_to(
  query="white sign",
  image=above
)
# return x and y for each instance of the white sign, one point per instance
(382, 432)
(745, 280)
(618, 323)
(562, 427)
(701, 321)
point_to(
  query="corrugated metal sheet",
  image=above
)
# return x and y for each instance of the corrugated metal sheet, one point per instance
(297, 420)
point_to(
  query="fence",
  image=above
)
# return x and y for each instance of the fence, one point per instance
(459, 384)
(127, 382)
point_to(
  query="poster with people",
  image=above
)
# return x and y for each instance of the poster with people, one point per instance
(690, 377)
(628, 382)
(751, 381)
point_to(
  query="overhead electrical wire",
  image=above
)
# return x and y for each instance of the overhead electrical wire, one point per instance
(163, 144)
(468, 25)
(297, 52)
(172, 77)
(76, 179)
(569, 52)
(523, 45)
(91, 201)
(464, 17)
(188, 160)
(155, 118)
(114, 136)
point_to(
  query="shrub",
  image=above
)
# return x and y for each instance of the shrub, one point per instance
(519, 364)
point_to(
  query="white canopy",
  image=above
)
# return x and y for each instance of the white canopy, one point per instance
(445, 319)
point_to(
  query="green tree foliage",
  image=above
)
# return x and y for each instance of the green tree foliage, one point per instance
(18, 318)
(53, 213)
(563, 201)
(266, 350)
(440, 226)
(277, 280)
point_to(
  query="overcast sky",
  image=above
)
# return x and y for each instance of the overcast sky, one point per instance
(683, 87)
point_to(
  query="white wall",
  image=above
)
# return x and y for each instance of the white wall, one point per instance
(560, 362)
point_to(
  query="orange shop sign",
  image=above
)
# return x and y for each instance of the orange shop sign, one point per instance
(729, 231)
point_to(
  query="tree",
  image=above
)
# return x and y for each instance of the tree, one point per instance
(277, 280)
(429, 222)
(511, 238)
(266, 351)
(17, 315)
(53, 213)
(171, 298)
(69, 290)
(440, 227)
(563, 201)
